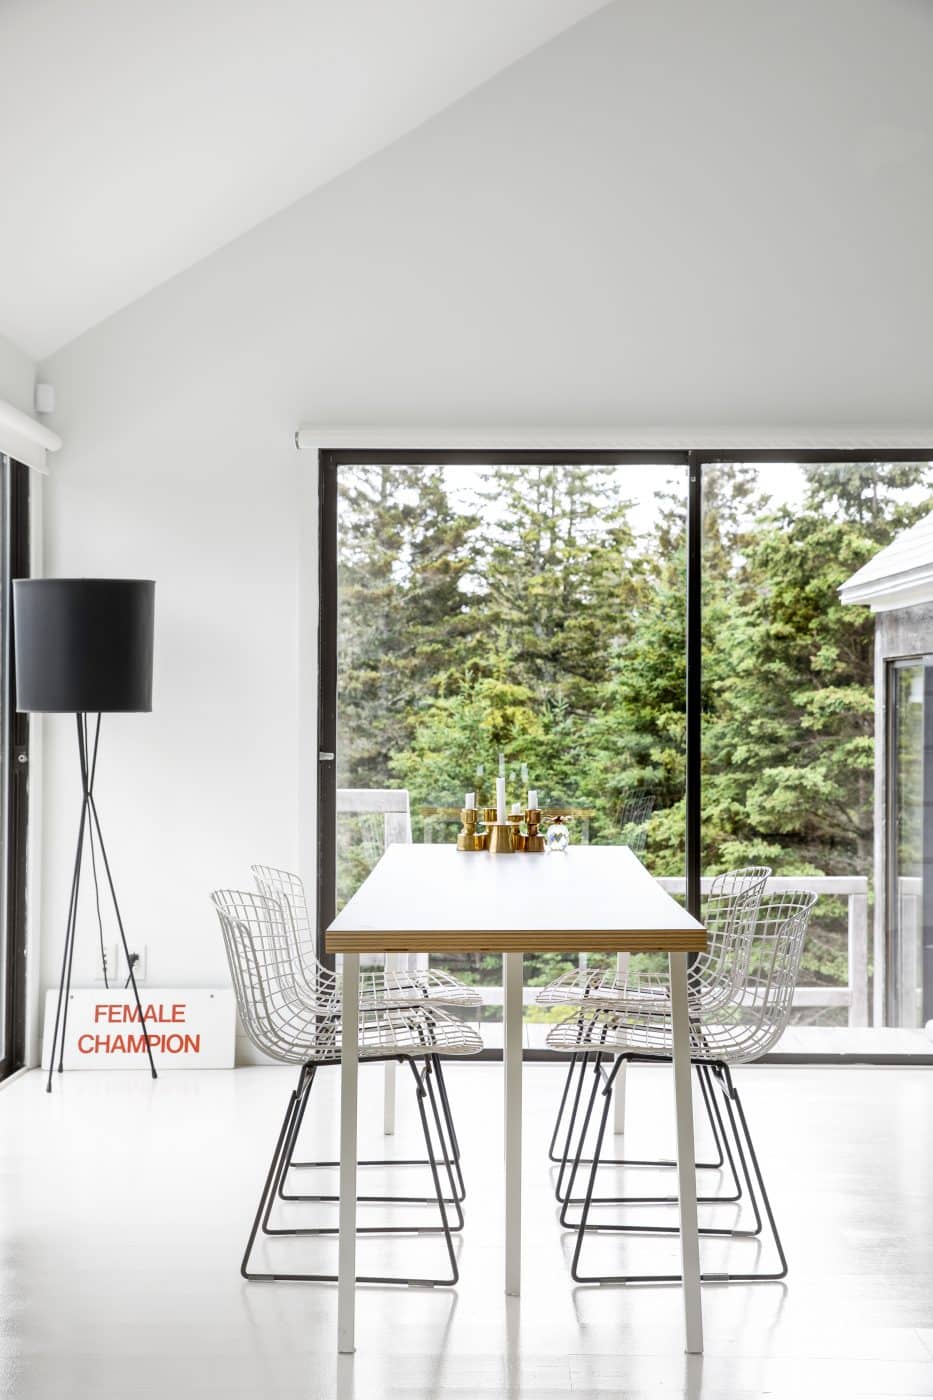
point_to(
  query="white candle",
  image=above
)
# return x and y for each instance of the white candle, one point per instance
(533, 799)
(470, 800)
(516, 809)
(500, 800)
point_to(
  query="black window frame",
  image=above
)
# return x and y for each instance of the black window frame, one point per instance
(329, 463)
(16, 796)
(694, 461)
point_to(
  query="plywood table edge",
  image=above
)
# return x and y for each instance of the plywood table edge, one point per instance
(516, 941)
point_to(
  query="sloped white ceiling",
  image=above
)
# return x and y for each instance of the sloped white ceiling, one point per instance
(137, 138)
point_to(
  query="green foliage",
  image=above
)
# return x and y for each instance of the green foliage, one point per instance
(540, 626)
(404, 621)
(788, 738)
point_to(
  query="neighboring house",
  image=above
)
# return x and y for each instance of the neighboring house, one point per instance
(897, 584)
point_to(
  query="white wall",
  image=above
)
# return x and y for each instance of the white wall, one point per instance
(696, 217)
(17, 376)
(194, 792)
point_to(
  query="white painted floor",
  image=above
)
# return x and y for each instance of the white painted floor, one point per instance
(884, 1043)
(125, 1205)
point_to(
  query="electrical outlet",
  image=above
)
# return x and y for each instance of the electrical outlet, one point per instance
(110, 951)
(140, 967)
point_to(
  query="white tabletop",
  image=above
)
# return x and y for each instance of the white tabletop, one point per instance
(436, 898)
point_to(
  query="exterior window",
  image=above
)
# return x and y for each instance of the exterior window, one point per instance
(910, 833)
(676, 649)
(523, 619)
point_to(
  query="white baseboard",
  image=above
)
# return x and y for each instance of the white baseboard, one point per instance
(17, 1074)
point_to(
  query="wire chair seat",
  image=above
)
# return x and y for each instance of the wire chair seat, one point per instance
(378, 987)
(395, 987)
(410, 986)
(713, 975)
(639, 1033)
(736, 1032)
(301, 1036)
(596, 989)
(593, 988)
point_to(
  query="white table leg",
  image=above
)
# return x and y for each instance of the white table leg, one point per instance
(686, 1158)
(349, 1073)
(388, 1098)
(388, 1104)
(514, 1031)
(618, 1102)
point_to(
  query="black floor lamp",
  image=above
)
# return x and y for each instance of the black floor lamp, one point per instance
(84, 647)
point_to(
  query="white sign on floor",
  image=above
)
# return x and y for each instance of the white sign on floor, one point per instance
(187, 1029)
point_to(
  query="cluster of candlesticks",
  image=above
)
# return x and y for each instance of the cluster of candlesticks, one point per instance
(503, 832)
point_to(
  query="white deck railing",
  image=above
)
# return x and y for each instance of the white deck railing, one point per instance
(909, 972)
(393, 803)
(852, 888)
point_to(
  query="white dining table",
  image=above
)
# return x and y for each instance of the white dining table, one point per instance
(436, 899)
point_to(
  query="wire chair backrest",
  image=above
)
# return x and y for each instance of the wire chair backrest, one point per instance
(288, 891)
(259, 951)
(729, 915)
(634, 818)
(732, 889)
(760, 1012)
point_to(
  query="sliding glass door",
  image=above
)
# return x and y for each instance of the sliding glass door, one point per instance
(522, 618)
(909, 894)
(657, 644)
(789, 676)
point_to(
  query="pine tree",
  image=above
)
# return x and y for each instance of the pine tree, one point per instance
(789, 738)
(639, 732)
(404, 617)
(557, 566)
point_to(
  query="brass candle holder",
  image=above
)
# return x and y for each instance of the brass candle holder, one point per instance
(533, 841)
(499, 838)
(469, 839)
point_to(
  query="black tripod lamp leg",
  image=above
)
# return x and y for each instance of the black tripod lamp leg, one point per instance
(126, 951)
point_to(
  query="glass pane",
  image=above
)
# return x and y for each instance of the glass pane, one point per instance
(789, 701)
(907, 841)
(524, 619)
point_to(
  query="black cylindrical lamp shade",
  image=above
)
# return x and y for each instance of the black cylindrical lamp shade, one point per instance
(83, 644)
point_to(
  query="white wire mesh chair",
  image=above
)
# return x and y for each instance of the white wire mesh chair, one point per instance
(736, 1032)
(379, 987)
(285, 1024)
(712, 978)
